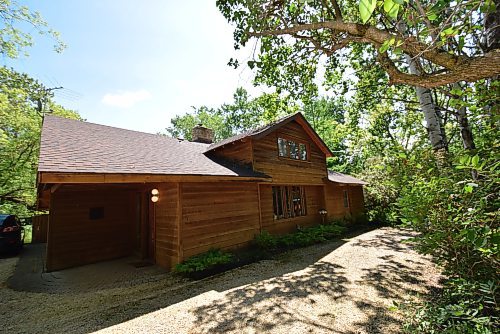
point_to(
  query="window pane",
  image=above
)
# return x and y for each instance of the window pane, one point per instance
(303, 151)
(282, 147)
(294, 150)
(287, 204)
(346, 199)
(297, 201)
(277, 203)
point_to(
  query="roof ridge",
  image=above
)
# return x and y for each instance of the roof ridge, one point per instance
(117, 128)
(251, 132)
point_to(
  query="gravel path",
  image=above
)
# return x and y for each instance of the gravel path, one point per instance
(338, 287)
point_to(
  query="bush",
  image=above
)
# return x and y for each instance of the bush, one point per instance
(463, 307)
(303, 237)
(457, 217)
(265, 240)
(204, 261)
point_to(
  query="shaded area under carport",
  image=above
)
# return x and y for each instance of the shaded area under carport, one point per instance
(30, 275)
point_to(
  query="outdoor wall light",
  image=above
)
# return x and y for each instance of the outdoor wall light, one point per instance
(155, 195)
(323, 214)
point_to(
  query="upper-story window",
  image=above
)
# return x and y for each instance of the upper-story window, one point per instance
(292, 149)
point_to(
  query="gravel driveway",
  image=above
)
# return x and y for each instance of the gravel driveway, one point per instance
(338, 287)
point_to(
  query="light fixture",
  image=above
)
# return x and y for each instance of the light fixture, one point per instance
(323, 214)
(155, 195)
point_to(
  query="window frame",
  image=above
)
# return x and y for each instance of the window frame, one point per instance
(298, 142)
(285, 201)
(346, 198)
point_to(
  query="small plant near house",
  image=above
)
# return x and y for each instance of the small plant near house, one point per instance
(216, 261)
(204, 261)
(266, 240)
(303, 237)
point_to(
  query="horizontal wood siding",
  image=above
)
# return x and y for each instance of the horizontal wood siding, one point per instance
(74, 239)
(314, 202)
(167, 241)
(218, 215)
(288, 171)
(239, 151)
(334, 194)
(39, 228)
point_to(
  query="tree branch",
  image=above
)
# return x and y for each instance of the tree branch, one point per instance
(336, 8)
(475, 69)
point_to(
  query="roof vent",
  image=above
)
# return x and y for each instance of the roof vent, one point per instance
(202, 134)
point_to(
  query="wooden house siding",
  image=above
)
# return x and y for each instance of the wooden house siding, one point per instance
(75, 239)
(284, 170)
(167, 225)
(334, 196)
(39, 228)
(218, 215)
(239, 152)
(314, 202)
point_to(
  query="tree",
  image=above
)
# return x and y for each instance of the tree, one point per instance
(23, 102)
(13, 38)
(243, 114)
(294, 34)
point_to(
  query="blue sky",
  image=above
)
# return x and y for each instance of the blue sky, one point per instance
(136, 64)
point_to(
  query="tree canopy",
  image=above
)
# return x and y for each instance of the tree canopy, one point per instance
(23, 102)
(16, 27)
(297, 36)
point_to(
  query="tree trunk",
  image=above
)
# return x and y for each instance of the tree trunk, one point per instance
(492, 29)
(435, 129)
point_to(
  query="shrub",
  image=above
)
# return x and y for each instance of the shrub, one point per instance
(303, 237)
(457, 217)
(265, 240)
(204, 261)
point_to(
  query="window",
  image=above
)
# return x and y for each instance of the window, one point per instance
(292, 149)
(346, 199)
(96, 213)
(283, 147)
(289, 202)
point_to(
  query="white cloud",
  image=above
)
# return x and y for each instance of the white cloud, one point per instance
(125, 99)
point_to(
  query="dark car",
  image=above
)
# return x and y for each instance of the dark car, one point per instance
(11, 233)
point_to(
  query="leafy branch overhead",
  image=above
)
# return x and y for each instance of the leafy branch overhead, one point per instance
(295, 35)
(15, 38)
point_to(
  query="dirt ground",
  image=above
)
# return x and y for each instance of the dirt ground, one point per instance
(345, 286)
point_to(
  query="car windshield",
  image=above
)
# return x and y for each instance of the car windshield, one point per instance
(3, 218)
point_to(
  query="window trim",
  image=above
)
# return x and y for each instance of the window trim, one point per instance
(283, 202)
(298, 141)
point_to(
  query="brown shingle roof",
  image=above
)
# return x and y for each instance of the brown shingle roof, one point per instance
(81, 147)
(268, 128)
(343, 178)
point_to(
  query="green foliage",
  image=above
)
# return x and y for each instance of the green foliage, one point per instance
(266, 240)
(303, 237)
(201, 262)
(366, 8)
(243, 114)
(23, 101)
(298, 41)
(464, 307)
(14, 36)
